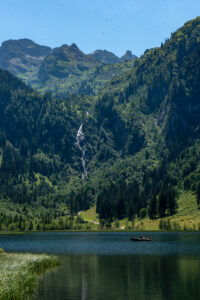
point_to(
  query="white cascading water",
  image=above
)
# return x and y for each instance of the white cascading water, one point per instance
(80, 138)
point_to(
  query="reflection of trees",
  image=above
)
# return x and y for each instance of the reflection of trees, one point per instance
(143, 277)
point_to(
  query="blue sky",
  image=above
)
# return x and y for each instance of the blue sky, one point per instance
(115, 25)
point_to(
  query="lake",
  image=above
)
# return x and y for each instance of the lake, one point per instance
(109, 266)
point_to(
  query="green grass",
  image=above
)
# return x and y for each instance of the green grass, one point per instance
(18, 273)
(38, 178)
(90, 215)
(187, 217)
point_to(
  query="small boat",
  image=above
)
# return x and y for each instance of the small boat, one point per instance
(141, 239)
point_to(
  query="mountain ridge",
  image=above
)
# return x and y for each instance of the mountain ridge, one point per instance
(141, 132)
(108, 57)
(40, 66)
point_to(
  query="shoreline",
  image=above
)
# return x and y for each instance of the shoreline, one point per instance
(89, 231)
(19, 273)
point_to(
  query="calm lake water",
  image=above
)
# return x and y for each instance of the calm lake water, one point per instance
(109, 266)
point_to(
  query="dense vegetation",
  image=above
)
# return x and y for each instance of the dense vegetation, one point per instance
(142, 136)
(18, 273)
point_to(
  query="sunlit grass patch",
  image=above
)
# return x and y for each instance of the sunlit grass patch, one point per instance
(18, 273)
(186, 218)
(90, 215)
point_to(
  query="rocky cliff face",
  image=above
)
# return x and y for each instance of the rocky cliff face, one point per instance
(110, 58)
(128, 56)
(64, 70)
(22, 57)
(105, 56)
(66, 61)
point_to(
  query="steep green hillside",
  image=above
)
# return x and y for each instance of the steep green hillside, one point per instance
(139, 138)
(69, 71)
(65, 61)
(88, 82)
(162, 93)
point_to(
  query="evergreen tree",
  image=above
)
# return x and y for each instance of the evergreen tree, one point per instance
(162, 203)
(153, 208)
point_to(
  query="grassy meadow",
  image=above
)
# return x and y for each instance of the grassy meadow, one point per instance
(18, 273)
(187, 218)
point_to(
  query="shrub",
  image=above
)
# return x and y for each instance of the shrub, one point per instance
(143, 213)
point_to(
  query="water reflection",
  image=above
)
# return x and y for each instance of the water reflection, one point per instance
(109, 266)
(140, 277)
(102, 243)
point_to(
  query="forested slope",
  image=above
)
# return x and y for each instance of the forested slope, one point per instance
(141, 135)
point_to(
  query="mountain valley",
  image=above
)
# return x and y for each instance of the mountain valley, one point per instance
(140, 127)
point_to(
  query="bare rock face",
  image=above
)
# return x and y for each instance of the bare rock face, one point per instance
(105, 56)
(64, 70)
(110, 58)
(22, 57)
(128, 56)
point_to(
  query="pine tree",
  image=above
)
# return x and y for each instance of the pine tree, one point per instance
(172, 201)
(30, 225)
(162, 204)
(153, 208)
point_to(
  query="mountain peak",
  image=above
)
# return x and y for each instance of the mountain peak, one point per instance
(22, 55)
(22, 42)
(128, 56)
(108, 57)
(105, 56)
(73, 45)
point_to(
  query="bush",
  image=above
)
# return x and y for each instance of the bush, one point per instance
(143, 213)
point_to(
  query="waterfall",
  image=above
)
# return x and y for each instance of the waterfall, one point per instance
(80, 138)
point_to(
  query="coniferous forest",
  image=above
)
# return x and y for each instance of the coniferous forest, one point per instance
(140, 134)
